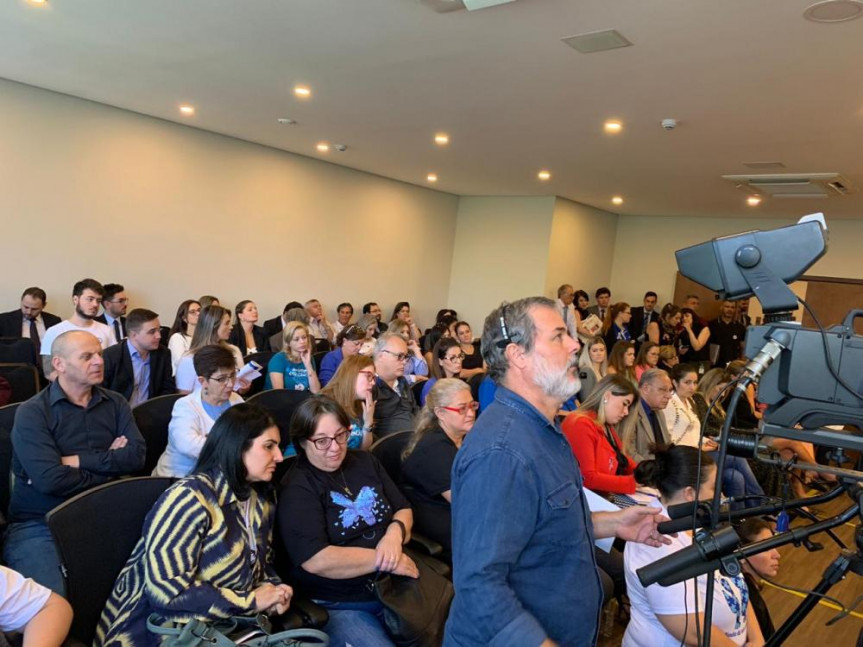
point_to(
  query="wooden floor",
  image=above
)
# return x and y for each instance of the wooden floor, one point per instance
(801, 569)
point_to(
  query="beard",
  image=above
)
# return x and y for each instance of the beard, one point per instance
(83, 314)
(558, 384)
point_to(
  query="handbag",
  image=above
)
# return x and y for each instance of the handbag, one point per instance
(238, 631)
(415, 610)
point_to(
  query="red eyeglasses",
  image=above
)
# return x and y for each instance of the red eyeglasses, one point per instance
(462, 409)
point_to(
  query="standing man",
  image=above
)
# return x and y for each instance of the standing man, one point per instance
(565, 297)
(86, 297)
(374, 309)
(603, 299)
(525, 572)
(30, 321)
(727, 336)
(138, 368)
(68, 438)
(114, 305)
(643, 316)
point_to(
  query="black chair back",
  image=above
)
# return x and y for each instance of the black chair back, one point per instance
(7, 419)
(474, 383)
(152, 418)
(281, 404)
(24, 380)
(319, 357)
(322, 346)
(417, 390)
(17, 350)
(166, 336)
(388, 450)
(95, 533)
(262, 358)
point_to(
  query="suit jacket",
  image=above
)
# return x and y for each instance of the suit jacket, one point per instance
(101, 318)
(638, 437)
(11, 322)
(637, 325)
(120, 376)
(272, 327)
(238, 339)
(594, 310)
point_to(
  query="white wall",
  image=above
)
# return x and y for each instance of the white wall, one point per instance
(173, 212)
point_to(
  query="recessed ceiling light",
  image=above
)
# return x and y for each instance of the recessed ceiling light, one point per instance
(302, 91)
(432, 177)
(285, 121)
(612, 126)
(753, 200)
(617, 200)
(187, 110)
(544, 175)
(441, 139)
(834, 11)
(323, 147)
(38, 3)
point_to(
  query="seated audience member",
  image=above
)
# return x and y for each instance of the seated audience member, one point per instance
(402, 312)
(582, 303)
(275, 325)
(352, 388)
(757, 568)
(374, 310)
(668, 358)
(432, 337)
(592, 366)
(205, 552)
(594, 440)
(710, 386)
(615, 327)
(396, 406)
(643, 316)
(647, 358)
(246, 334)
(336, 552)
(86, 297)
(277, 341)
(603, 300)
(319, 327)
(214, 327)
(446, 418)
(445, 313)
(66, 439)
(664, 332)
(209, 300)
(665, 616)
(472, 364)
(138, 368)
(31, 320)
(114, 305)
(369, 325)
(180, 337)
(29, 608)
(654, 390)
(195, 414)
(621, 360)
(694, 341)
(727, 334)
(447, 357)
(344, 313)
(294, 367)
(348, 342)
(416, 364)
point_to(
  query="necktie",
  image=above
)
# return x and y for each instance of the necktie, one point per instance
(34, 337)
(117, 333)
(602, 313)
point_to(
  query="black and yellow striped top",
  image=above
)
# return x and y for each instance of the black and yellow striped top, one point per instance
(194, 560)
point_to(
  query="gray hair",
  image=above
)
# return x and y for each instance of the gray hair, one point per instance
(562, 289)
(650, 376)
(516, 321)
(383, 340)
(440, 395)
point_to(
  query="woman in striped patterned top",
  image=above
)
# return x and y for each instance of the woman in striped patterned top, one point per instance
(206, 549)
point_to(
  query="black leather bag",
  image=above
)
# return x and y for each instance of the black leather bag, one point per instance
(415, 610)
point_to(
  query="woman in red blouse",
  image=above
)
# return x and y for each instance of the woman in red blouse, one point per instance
(594, 440)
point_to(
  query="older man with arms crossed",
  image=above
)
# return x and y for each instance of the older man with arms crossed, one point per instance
(523, 535)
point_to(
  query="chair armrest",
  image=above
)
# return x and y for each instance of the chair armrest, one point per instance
(425, 545)
(312, 615)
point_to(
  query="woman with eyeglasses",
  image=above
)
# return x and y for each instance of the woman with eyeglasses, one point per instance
(214, 327)
(416, 365)
(447, 357)
(180, 337)
(352, 388)
(647, 358)
(294, 368)
(194, 415)
(443, 423)
(615, 328)
(348, 343)
(341, 520)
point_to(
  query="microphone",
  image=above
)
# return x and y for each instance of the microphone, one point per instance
(703, 556)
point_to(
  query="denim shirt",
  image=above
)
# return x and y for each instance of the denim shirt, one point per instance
(522, 535)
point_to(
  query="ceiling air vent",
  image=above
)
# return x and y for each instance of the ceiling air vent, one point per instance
(793, 185)
(446, 6)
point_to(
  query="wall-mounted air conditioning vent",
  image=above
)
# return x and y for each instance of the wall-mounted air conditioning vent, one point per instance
(793, 185)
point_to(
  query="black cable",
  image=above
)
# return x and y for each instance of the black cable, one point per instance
(845, 612)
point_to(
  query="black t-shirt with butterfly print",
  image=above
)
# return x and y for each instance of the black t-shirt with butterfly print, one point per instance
(351, 507)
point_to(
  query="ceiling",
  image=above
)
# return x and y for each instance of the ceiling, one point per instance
(747, 80)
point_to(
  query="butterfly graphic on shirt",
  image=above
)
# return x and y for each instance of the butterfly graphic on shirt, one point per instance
(736, 597)
(362, 509)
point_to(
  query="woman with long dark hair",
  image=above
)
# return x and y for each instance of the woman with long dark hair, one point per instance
(180, 337)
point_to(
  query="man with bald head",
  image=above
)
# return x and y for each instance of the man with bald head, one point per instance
(66, 439)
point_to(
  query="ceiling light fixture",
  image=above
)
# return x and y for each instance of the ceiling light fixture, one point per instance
(302, 91)
(432, 177)
(38, 3)
(617, 200)
(831, 11)
(612, 127)
(187, 110)
(544, 175)
(753, 200)
(286, 121)
(441, 139)
(323, 147)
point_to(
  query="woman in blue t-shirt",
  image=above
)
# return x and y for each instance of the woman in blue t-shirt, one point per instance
(294, 369)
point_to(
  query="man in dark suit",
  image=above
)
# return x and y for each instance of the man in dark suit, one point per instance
(138, 368)
(114, 305)
(30, 321)
(603, 301)
(643, 316)
(372, 308)
(277, 324)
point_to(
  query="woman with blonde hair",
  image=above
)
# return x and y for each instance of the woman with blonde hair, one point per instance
(294, 368)
(592, 365)
(446, 418)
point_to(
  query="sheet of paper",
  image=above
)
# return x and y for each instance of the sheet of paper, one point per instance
(597, 503)
(249, 372)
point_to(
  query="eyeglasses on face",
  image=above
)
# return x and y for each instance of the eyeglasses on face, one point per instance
(462, 409)
(324, 443)
(119, 301)
(400, 357)
(369, 375)
(453, 358)
(222, 379)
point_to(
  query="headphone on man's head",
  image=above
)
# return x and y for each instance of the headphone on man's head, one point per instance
(504, 332)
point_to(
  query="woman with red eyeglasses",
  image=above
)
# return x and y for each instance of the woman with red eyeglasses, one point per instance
(446, 418)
